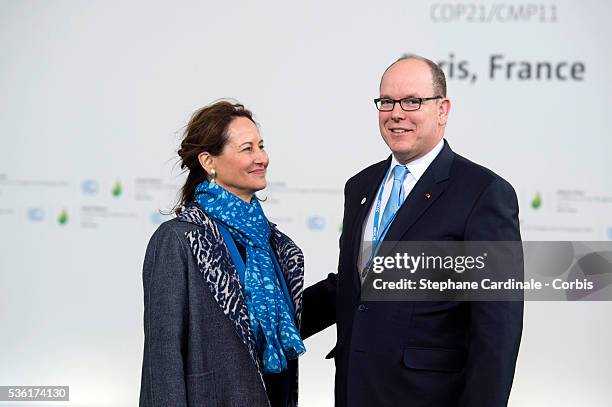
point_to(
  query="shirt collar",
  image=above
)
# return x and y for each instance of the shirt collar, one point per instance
(418, 167)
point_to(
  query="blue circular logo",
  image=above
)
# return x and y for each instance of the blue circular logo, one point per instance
(89, 187)
(316, 223)
(36, 214)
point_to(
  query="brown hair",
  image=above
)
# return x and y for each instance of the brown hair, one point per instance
(205, 132)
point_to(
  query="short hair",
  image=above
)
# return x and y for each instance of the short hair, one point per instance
(437, 74)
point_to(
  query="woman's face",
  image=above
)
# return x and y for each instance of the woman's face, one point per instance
(241, 166)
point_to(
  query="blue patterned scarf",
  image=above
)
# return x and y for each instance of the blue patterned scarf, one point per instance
(272, 322)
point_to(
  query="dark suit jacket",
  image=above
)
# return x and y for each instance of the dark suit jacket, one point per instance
(199, 348)
(422, 354)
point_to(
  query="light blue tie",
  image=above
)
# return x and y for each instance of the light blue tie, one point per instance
(397, 195)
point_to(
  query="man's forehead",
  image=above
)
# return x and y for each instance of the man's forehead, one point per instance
(410, 75)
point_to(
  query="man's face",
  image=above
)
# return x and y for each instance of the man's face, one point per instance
(411, 135)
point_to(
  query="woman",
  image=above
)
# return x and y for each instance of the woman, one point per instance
(222, 286)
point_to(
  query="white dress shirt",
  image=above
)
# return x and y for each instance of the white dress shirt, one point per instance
(416, 169)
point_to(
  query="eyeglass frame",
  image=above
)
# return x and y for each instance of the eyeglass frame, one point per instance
(421, 100)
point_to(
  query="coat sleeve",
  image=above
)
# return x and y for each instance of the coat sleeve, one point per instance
(319, 311)
(319, 306)
(165, 321)
(495, 327)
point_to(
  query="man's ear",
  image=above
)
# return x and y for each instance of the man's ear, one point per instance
(207, 161)
(445, 106)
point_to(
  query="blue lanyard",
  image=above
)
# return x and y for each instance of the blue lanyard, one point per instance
(376, 239)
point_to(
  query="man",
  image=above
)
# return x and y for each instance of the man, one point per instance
(429, 354)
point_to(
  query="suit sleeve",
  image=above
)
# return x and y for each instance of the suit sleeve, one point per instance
(319, 310)
(495, 327)
(165, 321)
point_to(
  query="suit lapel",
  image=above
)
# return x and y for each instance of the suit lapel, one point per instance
(424, 193)
(367, 189)
(427, 190)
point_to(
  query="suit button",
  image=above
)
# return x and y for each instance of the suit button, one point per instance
(361, 308)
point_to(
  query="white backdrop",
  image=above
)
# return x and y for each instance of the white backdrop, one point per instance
(94, 98)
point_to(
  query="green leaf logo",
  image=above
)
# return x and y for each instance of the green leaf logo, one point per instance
(537, 201)
(62, 219)
(117, 189)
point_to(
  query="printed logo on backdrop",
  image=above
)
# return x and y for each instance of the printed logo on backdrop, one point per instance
(117, 189)
(316, 223)
(89, 187)
(62, 217)
(36, 214)
(536, 202)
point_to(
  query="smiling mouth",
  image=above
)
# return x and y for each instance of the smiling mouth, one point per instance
(399, 131)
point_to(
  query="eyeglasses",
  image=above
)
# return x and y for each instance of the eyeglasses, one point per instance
(407, 104)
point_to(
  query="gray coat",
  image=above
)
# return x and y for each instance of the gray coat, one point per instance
(199, 348)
